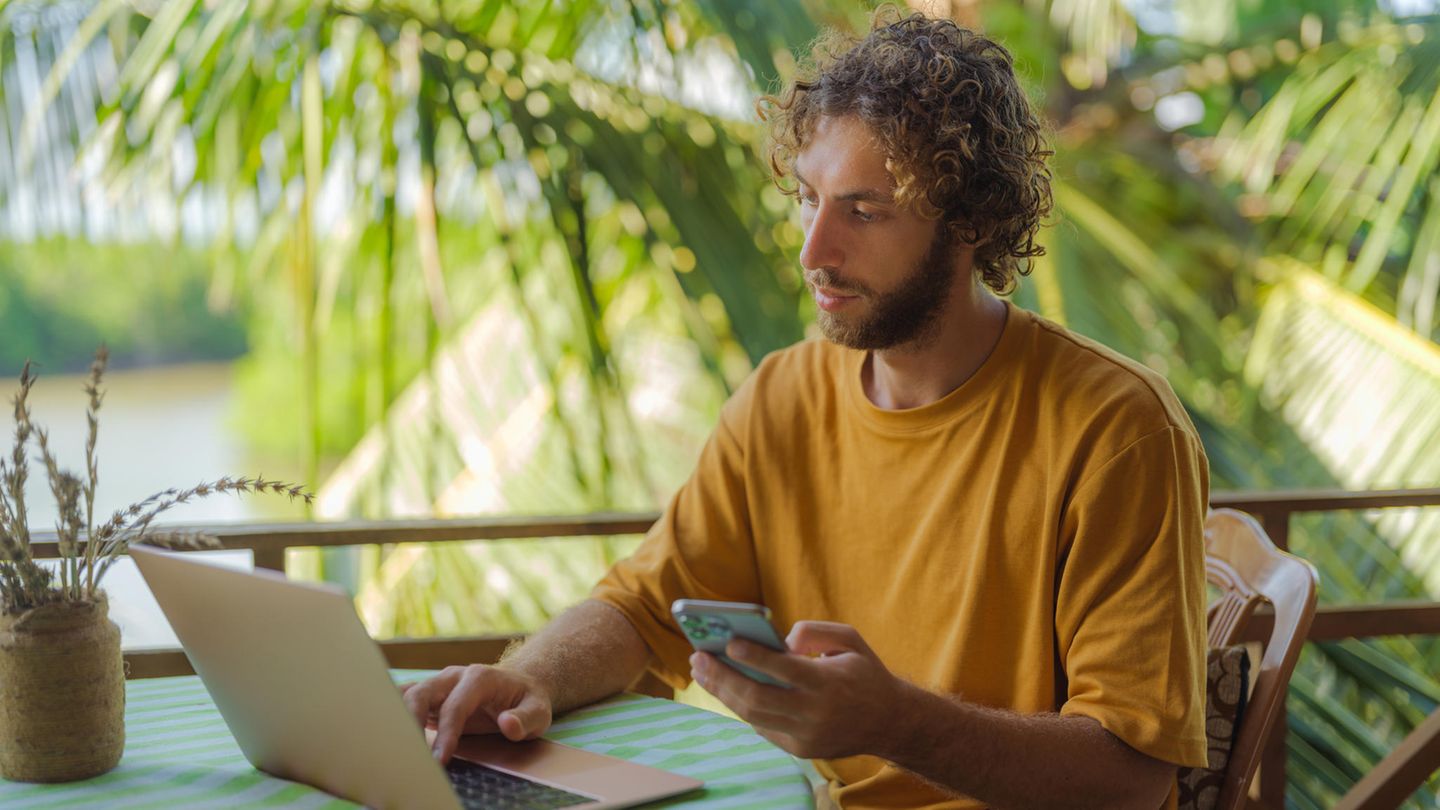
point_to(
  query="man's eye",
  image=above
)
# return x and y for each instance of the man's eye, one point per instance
(808, 200)
(863, 216)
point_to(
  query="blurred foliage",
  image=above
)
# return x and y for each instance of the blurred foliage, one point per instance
(146, 302)
(462, 231)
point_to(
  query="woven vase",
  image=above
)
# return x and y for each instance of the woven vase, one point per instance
(62, 693)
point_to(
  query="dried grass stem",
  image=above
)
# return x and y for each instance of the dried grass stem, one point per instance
(24, 583)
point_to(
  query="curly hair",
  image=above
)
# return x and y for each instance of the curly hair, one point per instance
(963, 143)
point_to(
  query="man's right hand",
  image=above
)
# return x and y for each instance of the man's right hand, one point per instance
(477, 699)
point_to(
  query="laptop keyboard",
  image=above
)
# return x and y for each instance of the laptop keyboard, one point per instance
(481, 787)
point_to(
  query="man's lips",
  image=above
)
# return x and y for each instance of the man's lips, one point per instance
(830, 299)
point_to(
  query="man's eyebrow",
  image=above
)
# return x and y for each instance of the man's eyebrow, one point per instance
(869, 195)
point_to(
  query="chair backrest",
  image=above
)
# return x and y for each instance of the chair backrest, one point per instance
(1248, 569)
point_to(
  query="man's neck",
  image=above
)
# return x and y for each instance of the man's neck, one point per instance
(922, 372)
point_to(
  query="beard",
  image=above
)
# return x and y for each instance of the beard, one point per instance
(909, 313)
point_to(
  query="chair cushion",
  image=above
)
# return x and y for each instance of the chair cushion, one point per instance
(1227, 683)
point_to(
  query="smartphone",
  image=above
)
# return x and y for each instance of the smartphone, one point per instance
(710, 626)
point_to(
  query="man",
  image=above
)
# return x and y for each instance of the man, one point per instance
(982, 531)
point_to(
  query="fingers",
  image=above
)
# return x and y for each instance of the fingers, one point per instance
(477, 699)
(781, 740)
(462, 702)
(825, 638)
(793, 669)
(755, 702)
(526, 721)
(421, 698)
(511, 725)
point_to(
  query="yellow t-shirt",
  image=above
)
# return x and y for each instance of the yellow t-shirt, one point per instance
(1031, 541)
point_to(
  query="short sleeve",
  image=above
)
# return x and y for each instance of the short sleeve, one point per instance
(701, 548)
(1130, 603)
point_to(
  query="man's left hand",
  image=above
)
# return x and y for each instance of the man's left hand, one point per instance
(842, 703)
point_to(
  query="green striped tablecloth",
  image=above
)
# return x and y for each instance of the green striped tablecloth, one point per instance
(179, 754)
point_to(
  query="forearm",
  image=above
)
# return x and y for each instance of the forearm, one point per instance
(589, 652)
(1012, 761)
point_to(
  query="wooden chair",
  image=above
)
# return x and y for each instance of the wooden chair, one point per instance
(1249, 570)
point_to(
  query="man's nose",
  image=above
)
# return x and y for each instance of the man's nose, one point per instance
(823, 248)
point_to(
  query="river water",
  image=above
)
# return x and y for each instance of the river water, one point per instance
(159, 427)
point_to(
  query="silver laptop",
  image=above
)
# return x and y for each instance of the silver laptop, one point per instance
(309, 698)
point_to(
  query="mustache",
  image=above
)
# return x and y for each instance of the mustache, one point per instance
(830, 281)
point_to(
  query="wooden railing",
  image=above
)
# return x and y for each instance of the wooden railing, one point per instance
(1405, 769)
(269, 541)
(1393, 780)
